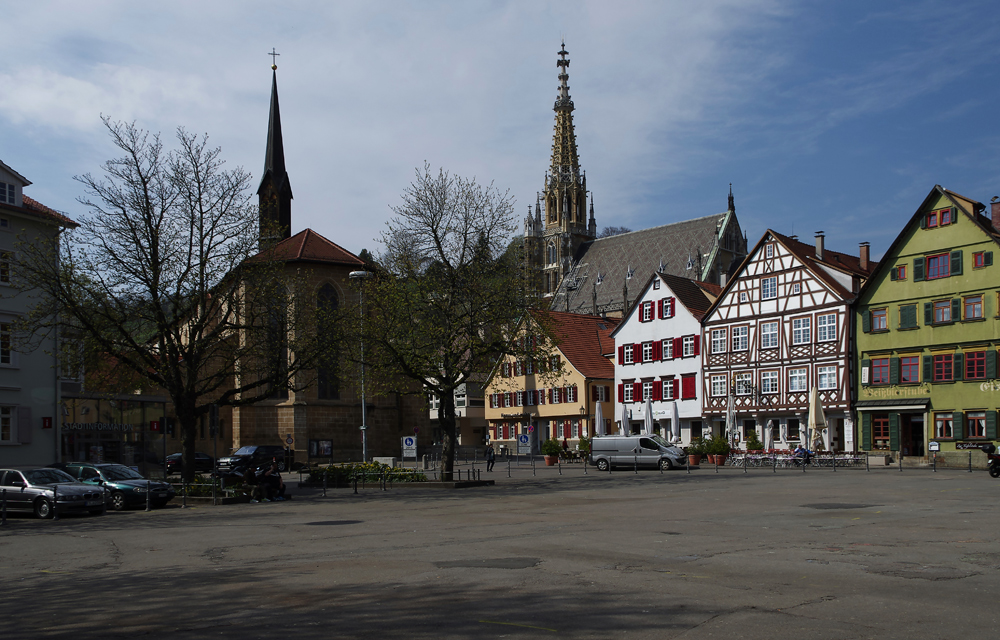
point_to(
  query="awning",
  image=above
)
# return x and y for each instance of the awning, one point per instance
(882, 405)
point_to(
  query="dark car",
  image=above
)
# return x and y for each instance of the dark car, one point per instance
(202, 462)
(253, 455)
(127, 487)
(32, 490)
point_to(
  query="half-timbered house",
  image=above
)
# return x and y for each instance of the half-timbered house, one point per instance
(781, 327)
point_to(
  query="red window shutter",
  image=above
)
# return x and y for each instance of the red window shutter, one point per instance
(697, 345)
(671, 310)
(636, 392)
(687, 388)
(636, 353)
(657, 391)
(657, 350)
(621, 354)
(676, 385)
(541, 396)
(621, 393)
(678, 347)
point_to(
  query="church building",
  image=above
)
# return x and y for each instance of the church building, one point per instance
(581, 273)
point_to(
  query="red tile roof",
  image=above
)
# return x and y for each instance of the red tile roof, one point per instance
(39, 210)
(309, 246)
(696, 296)
(806, 253)
(584, 339)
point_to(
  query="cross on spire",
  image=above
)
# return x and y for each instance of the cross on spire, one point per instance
(274, 54)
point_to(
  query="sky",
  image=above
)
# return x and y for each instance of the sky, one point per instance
(834, 116)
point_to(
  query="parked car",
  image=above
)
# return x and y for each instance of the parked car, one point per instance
(202, 462)
(253, 455)
(127, 487)
(635, 451)
(32, 490)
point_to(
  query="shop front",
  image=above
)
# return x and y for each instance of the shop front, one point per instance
(130, 431)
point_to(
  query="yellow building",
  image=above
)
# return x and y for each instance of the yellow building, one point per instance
(554, 394)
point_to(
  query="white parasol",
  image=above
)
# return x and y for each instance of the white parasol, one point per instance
(675, 422)
(599, 420)
(817, 420)
(647, 421)
(731, 428)
(626, 428)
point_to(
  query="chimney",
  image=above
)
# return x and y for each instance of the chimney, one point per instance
(819, 245)
(863, 263)
(995, 213)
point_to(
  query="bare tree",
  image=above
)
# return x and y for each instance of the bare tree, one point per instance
(607, 232)
(163, 281)
(451, 295)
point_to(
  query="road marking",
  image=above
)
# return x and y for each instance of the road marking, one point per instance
(514, 624)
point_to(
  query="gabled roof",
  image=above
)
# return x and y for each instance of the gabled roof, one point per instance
(7, 168)
(309, 246)
(676, 246)
(584, 339)
(35, 209)
(697, 297)
(969, 207)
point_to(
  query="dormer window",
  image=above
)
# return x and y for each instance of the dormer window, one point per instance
(6, 193)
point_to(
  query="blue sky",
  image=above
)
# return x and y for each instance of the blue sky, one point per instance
(838, 116)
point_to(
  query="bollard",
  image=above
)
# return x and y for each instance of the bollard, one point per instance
(716, 460)
(3, 507)
(55, 502)
(355, 484)
(584, 466)
(609, 467)
(480, 473)
(900, 456)
(833, 456)
(803, 465)
(688, 466)
(104, 499)
(635, 464)
(867, 468)
(774, 463)
(508, 466)
(149, 498)
(532, 466)
(745, 461)
(184, 495)
(559, 464)
(934, 461)
(970, 462)
(325, 476)
(660, 465)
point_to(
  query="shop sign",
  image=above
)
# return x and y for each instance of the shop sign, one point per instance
(894, 391)
(46, 423)
(969, 445)
(98, 426)
(515, 415)
(933, 446)
(991, 385)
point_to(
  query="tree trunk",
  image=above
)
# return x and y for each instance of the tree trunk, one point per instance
(187, 422)
(449, 445)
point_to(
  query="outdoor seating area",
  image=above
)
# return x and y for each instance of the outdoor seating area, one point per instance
(787, 458)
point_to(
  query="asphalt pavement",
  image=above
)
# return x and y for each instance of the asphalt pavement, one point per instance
(817, 555)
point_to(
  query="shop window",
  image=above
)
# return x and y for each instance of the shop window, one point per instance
(974, 308)
(943, 368)
(975, 422)
(975, 365)
(794, 432)
(880, 371)
(880, 431)
(943, 426)
(909, 369)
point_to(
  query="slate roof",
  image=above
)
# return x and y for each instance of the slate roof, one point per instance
(36, 209)
(672, 244)
(584, 339)
(309, 246)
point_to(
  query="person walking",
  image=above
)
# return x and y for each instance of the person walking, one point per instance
(491, 457)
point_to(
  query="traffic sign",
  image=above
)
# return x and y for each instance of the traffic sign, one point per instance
(154, 425)
(289, 440)
(409, 447)
(524, 443)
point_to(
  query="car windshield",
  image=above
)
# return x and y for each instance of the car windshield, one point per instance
(244, 451)
(47, 476)
(120, 472)
(660, 441)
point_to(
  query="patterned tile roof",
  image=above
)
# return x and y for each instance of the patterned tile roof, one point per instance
(678, 247)
(309, 246)
(584, 339)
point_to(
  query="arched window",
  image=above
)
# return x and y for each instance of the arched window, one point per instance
(327, 381)
(550, 253)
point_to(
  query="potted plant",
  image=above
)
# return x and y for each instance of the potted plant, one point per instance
(753, 442)
(718, 449)
(695, 451)
(551, 450)
(584, 447)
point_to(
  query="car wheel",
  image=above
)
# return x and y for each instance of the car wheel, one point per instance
(665, 463)
(281, 465)
(118, 501)
(994, 471)
(602, 465)
(43, 508)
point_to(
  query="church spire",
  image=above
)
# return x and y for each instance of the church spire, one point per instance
(565, 163)
(275, 192)
(732, 202)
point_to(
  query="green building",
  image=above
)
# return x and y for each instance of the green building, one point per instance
(927, 330)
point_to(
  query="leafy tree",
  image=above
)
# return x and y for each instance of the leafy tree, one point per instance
(164, 282)
(450, 294)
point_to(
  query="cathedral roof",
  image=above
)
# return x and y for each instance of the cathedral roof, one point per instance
(675, 247)
(309, 246)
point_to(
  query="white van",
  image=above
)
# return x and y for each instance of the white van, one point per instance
(630, 451)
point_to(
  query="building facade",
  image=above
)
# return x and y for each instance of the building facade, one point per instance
(554, 391)
(30, 416)
(659, 358)
(782, 326)
(928, 331)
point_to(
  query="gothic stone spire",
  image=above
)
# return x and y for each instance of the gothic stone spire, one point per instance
(275, 192)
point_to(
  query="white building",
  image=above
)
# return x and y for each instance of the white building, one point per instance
(659, 356)
(29, 382)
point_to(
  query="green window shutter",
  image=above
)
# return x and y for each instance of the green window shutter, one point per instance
(928, 368)
(928, 313)
(908, 316)
(866, 321)
(991, 364)
(956, 263)
(958, 366)
(894, 432)
(923, 220)
(991, 425)
(866, 431)
(958, 425)
(866, 367)
(954, 215)
(987, 306)
(893, 370)
(918, 269)
(987, 258)
(956, 309)
(892, 273)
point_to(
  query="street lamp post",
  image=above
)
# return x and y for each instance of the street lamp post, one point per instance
(363, 275)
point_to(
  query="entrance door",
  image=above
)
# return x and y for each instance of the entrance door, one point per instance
(912, 434)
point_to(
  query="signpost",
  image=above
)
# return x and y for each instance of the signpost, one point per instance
(409, 447)
(524, 444)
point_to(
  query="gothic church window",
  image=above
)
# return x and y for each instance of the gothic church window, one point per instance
(327, 382)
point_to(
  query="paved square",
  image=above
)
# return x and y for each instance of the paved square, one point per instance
(851, 554)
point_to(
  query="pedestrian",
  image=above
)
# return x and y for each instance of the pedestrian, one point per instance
(491, 457)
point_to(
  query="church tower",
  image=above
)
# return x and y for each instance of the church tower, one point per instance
(274, 192)
(559, 224)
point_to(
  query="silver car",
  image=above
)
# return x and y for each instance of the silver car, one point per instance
(635, 451)
(37, 490)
